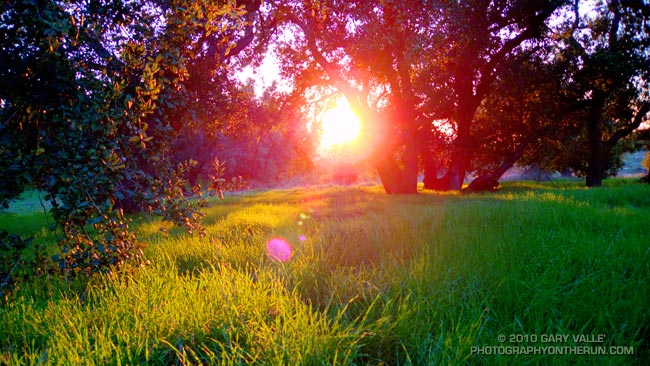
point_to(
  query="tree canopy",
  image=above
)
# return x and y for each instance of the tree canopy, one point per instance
(426, 76)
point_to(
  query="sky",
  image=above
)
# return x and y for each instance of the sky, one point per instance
(264, 76)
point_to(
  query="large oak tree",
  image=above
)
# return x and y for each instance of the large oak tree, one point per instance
(608, 79)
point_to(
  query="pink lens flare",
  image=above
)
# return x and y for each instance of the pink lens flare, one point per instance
(302, 238)
(279, 249)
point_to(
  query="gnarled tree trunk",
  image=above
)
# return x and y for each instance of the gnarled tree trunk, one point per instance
(490, 181)
(395, 179)
(392, 177)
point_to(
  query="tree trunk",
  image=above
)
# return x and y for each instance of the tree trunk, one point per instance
(596, 165)
(456, 174)
(399, 178)
(594, 177)
(411, 168)
(393, 178)
(598, 152)
(453, 178)
(431, 168)
(461, 159)
(467, 105)
(490, 181)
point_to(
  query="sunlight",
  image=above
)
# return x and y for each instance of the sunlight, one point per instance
(340, 125)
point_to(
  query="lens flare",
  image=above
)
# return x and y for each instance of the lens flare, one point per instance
(279, 249)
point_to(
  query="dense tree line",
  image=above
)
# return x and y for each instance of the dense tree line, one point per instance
(110, 106)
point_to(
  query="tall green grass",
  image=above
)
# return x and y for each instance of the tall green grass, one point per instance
(378, 280)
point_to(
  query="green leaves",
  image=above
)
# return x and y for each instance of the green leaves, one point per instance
(13, 265)
(87, 96)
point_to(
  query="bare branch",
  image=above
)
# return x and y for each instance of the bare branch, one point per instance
(633, 125)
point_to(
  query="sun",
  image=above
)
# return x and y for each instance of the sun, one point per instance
(340, 125)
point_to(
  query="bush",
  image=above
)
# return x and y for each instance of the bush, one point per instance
(15, 265)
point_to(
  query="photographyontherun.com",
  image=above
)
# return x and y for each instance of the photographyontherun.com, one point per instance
(552, 350)
(551, 344)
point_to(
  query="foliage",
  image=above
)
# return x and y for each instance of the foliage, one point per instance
(11, 260)
(84, 109)
(519, 120)
(605, 72)
(594, 93)
(259, 138)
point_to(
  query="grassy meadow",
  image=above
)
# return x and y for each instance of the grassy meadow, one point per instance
(432, 279)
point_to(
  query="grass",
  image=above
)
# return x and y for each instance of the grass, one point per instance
(378, 280)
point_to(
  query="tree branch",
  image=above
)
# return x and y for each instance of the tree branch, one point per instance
(218, 52)
(488, 71)
(636, 122)
(331, 70)
(642, 135)
(613, 31)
